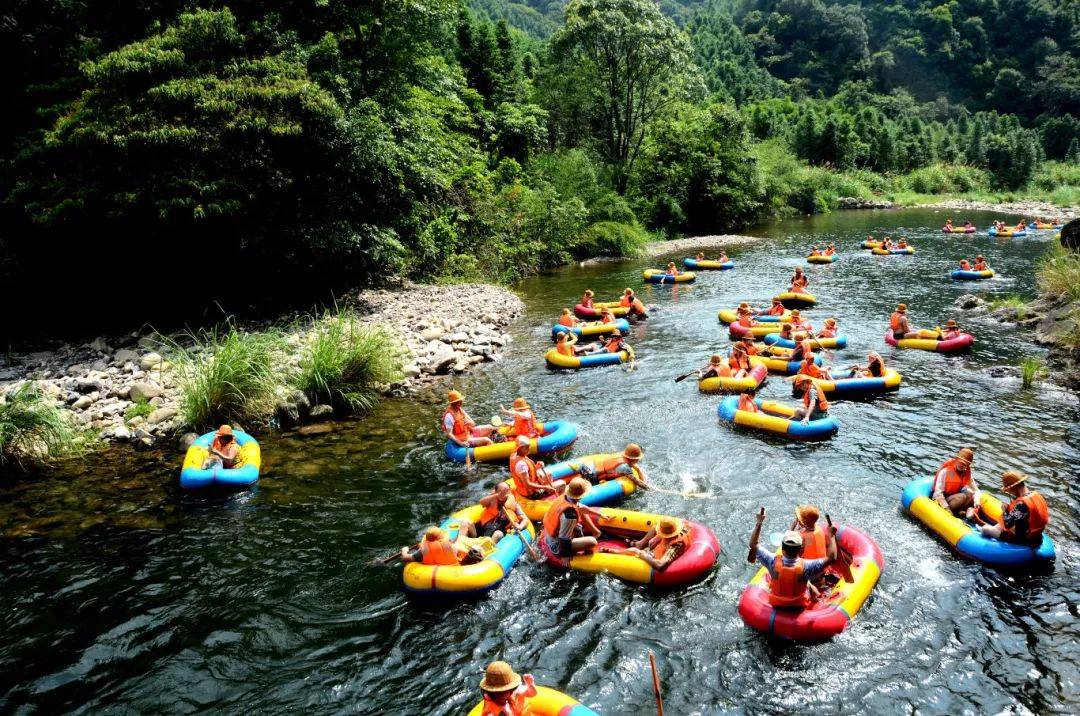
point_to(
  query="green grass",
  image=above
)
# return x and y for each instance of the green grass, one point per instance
(1059, 273)
(1032, 370)
(343, 364)
(1014, 302)
(34, 430)
(228, 375)
(138, 409)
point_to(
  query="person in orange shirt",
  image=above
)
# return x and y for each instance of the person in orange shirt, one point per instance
(815, 541)
(747, 342)
(715, 369)
(809, 368)
(567, 319)
(700, 256)
(501, 512)
(747, 401)
(830, 250)
(505, 693)
(829, 329)
(776, 309)
(965, 265)
(815, 251)
(525, 422)
(798, 322)
(799, 281)
(950, 330)
(435, 549)
(739, 362)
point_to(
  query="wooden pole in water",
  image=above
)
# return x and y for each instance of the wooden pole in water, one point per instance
(656, 685)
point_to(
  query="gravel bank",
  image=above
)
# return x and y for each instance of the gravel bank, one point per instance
(661, 248)
(1027, 209)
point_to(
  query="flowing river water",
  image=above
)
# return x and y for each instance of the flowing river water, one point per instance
(120, 594)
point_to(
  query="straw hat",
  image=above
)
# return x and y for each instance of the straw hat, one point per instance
(795, 313)
(745, 305)
(1011, 478)
(225, 430)
(455, 397)
(807, 515)
(965, 455)
(589, 292)
(902, 308)
(830, 321)
(434, 534)
(668, 527)
(802, 378)
(716, 359)
(520, 404)
(951, 324)
(577, 488)
(628, 291)
(499, 676)
(792, 539)
(633, 452)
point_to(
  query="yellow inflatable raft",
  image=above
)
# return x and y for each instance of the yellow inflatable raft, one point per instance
(714, 384)
(547, 702)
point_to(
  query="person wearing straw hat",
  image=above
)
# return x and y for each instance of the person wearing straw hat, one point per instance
(1024, 519)
(830, 249)
(745, 315)
(506, 693)
(723, 257)
(954, 486)
(672, 269)
(874, 368)
(950, 330)
(814, 404)
(898, 323)
(980, 263)
(567, 319)
(524, 420)
(776, 309)
(747, 342)
(501, 512)
(223, 451)
(461, 428)
(829, 330)
(798, 322)
(435, 548)
(567, 521)
(530, 479)
(607, 317)
(628, 465)
(715, 368)
(662, 544)
(815, 540)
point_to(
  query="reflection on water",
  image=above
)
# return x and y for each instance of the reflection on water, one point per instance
(121, 593)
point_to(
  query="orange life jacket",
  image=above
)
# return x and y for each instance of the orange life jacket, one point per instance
(638, 307)
(227, 463)
(566, 348)
(567, 321)
(721, 370)
(461, 425)
(822, 403)
(830, 251)
(525, 424)
(746, 320)
(519, 486)
(787, 588)
(663, 544)
(827, 333)
(751, 350)
(607, 319)
(1038, 513)
(554, 514)
(954, 481)
(440, 552)
(605, 469)
(614, 345)
(896, 321)
(747, 404)
(811, 370)
(777, 309)
(492, 511)
(815, 544)
(625, 301)
(980, 265)
(514, 706)
(964, 265)
(815, 252)
(738, 362)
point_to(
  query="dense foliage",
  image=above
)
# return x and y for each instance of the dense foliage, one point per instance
(184, 156)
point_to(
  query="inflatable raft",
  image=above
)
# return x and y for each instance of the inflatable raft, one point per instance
(871, 244)
(860, 387)
(958, 230)
(737, 331)
(780, 364)
(598, 308)
(878, 251)
(592, 328)
(992, 231)
(797, 300)
(962, 275)
(776, 418)
(828, 615)
(658, 276)
(547, 702)
(608, 492)
(467, 579)
(727, 316)
(954, 345)
(965, 537)
(555, 359)
(758, 374)
(618, 527)
(706, 265)
(822, 259)
(555, 435)
(194, 477)
(817, 344)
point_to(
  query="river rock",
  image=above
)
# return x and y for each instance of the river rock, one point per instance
(968, 301)
(82, 403)
(186, 440)
(160, 415)
(1054, 325)
(87, 385)
(321, 411)
(433, 333)
(125, 355)
(150, 361)
(442, 360)
(316, 429)
(143, 392)
(411, 370)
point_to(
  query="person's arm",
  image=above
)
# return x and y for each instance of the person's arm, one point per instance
(937, 491)
(1015, 517)
(810, 408)
(765, 559)
(812, 568)
(411, 556)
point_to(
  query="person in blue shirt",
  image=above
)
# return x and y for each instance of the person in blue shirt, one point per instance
(790, 576)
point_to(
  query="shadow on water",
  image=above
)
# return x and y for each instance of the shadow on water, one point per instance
(123, 594)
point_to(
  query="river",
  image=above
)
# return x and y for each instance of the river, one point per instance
(123, 595)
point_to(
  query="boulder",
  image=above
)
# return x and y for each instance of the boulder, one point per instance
(442, 360)
(186, 439)
(150, 361)
(160, 415)
(316, 429)
(143, 392)
(411, 370)
(87, 385)
(968, 301)
(125, 355)
(321, 411)
(1055, 325)
(82, 403)
(433, 333)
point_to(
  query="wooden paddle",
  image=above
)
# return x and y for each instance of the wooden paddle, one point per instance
(523, 536)
(684, 376)
(843, 557)
(394, 555)
(656, 685)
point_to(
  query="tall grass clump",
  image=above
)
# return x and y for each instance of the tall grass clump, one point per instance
(1032, 370)
(227, 375)
(34, 429)
(1014, 302)
(343, 363)
(1059, 273)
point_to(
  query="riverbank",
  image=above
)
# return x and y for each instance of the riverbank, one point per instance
(125, 388)
(1028, 208)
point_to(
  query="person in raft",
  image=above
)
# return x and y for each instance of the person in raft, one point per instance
(830, 250)
(700, 256)
(672, 269)
(811, 369)
(607, 317)
(815, 251)
(798, 322)
(662, 544)
(968, 225)
(874, 368)
(814, 405)
(567, 521)
(627, 465)
(1024, 519)
(462, 429)
(530, 479)
(566, 344)
(723, 257)
(776, 309)
(745, 315)
(747, 342)
(739, 362)
(948, 225)
(954, 486)
(898, 324)
(965, 265)
(802, 349)
(567, 318)
(747, 401)
(951, 330)
(525, 422)
(1022, 226)
(436, 549)
(980, 263)
(714, 369)
(902, 244)
(629, 300)
(815, 539)
(799, 281)
(501, 512)
(505, 692)
(223, 451)
(790, 574)
(587, 298)
(829, 329)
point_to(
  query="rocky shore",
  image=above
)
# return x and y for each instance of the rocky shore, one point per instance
(854, 202)
(123, 388)
(699, 243)
(1027, 209)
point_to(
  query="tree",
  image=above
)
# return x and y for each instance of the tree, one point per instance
(637, 60)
